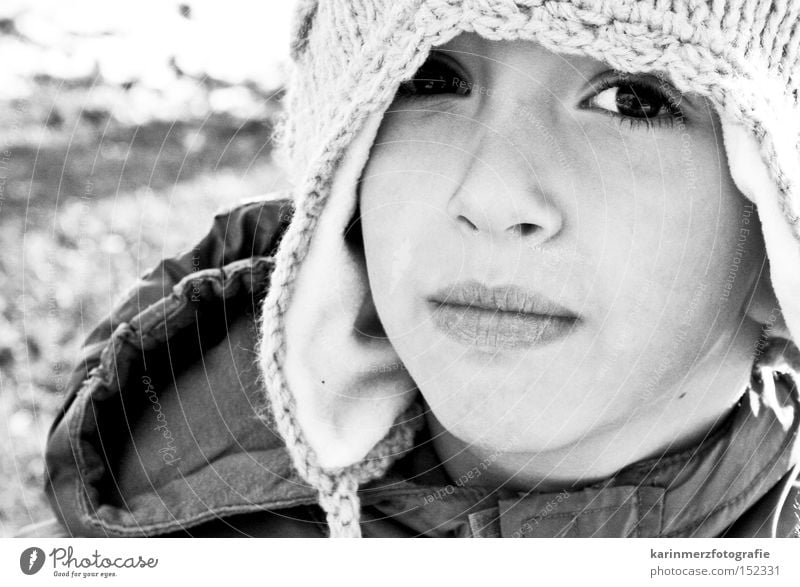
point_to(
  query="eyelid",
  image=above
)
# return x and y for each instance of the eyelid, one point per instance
(612, 78)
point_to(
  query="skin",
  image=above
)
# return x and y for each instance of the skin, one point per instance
(535, 177)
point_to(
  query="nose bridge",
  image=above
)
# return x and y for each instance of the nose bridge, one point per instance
(507, 188)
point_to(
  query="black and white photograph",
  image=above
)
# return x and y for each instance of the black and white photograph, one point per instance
(401, 269)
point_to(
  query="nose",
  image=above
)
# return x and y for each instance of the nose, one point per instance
(502, 195)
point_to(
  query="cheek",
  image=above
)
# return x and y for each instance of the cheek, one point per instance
(699, 227)
(401, 219)
(672, 235)
(667, 211)
(391, 241)
(410, 176)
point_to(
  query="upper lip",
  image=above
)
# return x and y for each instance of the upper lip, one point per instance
(503, 298)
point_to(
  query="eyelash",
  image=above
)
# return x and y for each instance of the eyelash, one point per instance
(619, 80)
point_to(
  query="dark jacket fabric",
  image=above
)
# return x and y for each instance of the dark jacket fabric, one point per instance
(159, 434)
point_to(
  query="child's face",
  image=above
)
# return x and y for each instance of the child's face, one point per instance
(604, 214)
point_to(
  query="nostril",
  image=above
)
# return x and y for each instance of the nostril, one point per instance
(523, 229)
(464, 220)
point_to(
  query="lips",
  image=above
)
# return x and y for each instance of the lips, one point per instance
(499, 318)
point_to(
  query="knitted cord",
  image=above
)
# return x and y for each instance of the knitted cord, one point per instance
(339, 499)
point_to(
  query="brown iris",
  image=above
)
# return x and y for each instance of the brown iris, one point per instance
(639, 101)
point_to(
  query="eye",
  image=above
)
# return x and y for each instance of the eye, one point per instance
(638, 101)
(439, 74)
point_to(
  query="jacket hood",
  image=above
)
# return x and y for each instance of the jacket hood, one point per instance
(340, 403)
(146, 441)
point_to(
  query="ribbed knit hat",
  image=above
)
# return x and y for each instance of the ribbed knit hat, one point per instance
(342, 405)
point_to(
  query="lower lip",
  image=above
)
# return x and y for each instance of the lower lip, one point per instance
(495, 330)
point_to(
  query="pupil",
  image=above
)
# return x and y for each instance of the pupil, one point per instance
(639, 102)
(430, 80)
(432, 84)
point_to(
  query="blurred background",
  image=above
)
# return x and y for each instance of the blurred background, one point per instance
(123, 127)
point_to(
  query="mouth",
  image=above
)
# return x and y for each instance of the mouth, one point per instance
(499, 318)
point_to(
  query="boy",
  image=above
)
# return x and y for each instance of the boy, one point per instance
(524, 292)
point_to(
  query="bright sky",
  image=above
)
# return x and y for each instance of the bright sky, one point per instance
(234, 40)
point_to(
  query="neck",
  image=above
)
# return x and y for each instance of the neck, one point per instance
(677, 420)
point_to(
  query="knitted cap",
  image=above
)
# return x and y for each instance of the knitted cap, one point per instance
(344, 408)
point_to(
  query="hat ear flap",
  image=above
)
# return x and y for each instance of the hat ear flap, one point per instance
(776, 301)
(764, 307)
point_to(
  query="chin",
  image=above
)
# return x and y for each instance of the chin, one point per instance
(541, 432)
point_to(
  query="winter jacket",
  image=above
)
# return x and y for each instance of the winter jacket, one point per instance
(159, 434)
